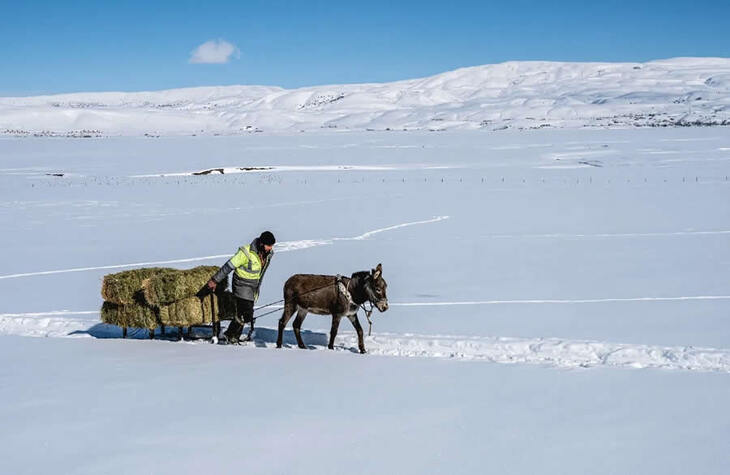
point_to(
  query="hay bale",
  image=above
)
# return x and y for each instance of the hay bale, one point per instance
(129, 316)
(164, 288)
(196, 311)
(125, 288)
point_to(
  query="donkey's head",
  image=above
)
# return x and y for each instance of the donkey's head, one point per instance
(375, 288)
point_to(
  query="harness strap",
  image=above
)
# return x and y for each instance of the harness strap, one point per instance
(346, 291)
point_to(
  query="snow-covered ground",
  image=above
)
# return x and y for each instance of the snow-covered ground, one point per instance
(593, 262)
(512, 95)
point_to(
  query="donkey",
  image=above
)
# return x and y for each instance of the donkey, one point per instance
(332, 295)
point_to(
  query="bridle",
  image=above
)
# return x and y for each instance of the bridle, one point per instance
(368, 313)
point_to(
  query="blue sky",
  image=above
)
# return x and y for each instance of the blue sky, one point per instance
(50, 47)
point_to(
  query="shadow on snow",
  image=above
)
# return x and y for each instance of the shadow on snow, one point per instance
(264, 337)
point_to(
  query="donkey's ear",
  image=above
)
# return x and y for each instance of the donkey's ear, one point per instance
(377, 271)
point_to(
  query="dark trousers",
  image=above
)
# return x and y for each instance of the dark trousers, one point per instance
(244, 314)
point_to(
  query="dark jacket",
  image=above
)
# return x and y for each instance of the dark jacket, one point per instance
(246, 288)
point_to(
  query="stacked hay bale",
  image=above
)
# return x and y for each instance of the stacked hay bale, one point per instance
(177, 297)
(124, 303)
(152, 297)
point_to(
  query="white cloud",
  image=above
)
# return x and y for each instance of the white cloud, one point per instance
(214, 52)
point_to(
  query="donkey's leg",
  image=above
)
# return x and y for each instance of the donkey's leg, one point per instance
(288, 312)
(333, 330)
(358, 329)
(301, 315)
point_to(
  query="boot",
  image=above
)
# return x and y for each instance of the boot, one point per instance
(249, 336)
(233, 333)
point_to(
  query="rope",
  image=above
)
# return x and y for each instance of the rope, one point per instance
(279, 301)
(270, 304)
(368, 313)
(267, 313)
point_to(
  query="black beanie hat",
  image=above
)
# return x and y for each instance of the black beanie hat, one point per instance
(267, 238)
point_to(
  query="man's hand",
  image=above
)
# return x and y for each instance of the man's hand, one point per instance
(212, 285)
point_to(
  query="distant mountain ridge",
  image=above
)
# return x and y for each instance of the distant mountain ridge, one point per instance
(511, 95)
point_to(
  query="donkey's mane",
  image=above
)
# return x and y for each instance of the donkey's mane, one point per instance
(358, 280)
(361, 274)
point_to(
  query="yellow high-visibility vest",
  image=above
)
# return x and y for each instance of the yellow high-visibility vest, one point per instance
(248, 264)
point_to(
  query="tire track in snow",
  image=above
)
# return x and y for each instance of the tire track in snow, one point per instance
(280, 247)
(607, 235)
(390, 228)
(551, 352)
(438, 304)
(561, 301)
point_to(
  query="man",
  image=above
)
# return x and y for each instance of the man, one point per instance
(250, 264)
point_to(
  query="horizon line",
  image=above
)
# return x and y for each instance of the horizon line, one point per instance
(141, 91)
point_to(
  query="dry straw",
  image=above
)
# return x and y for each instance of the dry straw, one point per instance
(150, 297)
(196, 311)
(132, 315)
(166, 287)
(124, 288)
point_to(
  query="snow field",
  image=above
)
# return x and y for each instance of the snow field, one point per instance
(598, 279)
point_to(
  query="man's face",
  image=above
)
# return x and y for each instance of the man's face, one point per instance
(268, 248)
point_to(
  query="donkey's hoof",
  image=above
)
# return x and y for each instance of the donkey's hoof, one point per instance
(362, 351)
(278, 345)
(331, 347)
(304, 347)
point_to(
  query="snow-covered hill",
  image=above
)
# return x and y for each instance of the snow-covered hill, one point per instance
(515, 95)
